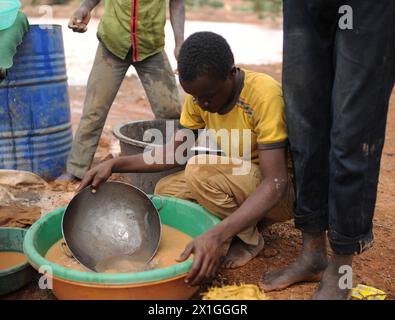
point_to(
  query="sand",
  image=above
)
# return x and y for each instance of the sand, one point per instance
(172, 243)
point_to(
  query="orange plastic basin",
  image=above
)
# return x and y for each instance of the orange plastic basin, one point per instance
(166, 283)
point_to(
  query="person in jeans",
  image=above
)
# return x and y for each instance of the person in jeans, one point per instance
(337, 83)
(130, 33)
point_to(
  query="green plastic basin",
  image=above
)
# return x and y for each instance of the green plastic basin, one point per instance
(184, 216)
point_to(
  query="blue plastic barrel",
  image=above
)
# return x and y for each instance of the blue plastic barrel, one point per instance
(35, 127)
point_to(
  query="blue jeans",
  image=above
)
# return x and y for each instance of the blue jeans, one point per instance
(337, 85)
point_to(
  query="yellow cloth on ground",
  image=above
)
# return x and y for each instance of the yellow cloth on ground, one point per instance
(363, 292)
(260, 109)
(235, 292)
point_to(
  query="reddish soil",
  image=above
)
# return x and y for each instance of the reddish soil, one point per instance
(283, 241)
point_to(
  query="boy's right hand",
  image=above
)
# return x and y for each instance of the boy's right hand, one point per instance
(96, 176)
(80, 19)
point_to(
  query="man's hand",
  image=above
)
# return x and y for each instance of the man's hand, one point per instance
(80, 19)
(96, 176)
(208, 250)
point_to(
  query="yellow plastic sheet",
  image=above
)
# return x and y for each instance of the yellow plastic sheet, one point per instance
(363, 292)
(235, 292)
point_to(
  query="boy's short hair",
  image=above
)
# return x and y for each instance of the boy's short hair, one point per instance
(205, 53)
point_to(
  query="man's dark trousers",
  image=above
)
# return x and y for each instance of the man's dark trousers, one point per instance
(337, 83)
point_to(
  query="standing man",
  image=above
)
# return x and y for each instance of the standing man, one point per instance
(337, 80)
(131, 32)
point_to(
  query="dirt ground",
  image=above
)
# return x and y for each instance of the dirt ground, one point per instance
(282, 241)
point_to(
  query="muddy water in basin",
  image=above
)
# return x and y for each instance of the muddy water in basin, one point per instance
(172, 243)
(9, 259)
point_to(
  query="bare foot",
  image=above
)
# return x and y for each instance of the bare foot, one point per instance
(308, 267)
(240, 253)
(330, 286)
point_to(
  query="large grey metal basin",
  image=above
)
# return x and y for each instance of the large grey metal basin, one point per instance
(118, 222)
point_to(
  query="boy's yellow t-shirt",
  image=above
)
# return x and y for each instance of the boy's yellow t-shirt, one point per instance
(259, 110)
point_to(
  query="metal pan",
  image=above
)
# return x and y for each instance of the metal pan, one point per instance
(118, 222)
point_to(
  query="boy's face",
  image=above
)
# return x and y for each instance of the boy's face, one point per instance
(210, 93)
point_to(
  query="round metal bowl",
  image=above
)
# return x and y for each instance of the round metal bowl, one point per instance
(117, 222)
(164, 283)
